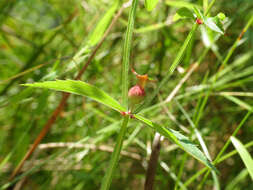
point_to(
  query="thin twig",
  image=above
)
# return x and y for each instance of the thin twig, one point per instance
(88, 146)
(173, 118)
(181, 82)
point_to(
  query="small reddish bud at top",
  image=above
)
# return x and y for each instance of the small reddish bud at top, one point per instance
(199, 21)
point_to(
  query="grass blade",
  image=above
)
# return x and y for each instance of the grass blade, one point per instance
(93, 39)
(102, 25)
(244, 154)
(235, 183)
(238, 102)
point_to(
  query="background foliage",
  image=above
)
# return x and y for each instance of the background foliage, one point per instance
(39, 41)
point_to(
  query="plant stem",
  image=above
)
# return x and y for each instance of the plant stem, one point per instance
(126, 53)
(209, 7)
(115, 156)
(152, 164)
(234, 134)
(234, 46)
(125, 68)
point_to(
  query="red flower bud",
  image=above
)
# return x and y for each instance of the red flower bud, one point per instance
(199, 21)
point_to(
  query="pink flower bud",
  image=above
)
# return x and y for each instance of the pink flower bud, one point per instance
(136, 95)
(136, 91)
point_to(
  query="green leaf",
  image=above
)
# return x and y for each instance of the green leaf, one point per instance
(102, 25)
(80, 88)
(214, 24)
(246, 158)
(207, 36)
(182, 141)
(183, 13)
(150, 4)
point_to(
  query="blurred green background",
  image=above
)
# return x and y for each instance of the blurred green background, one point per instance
(38, 40)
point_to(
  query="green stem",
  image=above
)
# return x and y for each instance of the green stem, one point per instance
(126, 53)
(209, 7)
(234, 46)
(232, 49)
(234, 133)
(115, 156)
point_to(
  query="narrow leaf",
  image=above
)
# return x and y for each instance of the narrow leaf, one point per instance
(182, 141)
(102, 25)
(80, 88)
(93, 39)
(244, 154)
(150, 4)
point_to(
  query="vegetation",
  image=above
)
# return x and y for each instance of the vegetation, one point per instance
(69, 121)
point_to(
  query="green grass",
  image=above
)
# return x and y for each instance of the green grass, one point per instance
(200, 99)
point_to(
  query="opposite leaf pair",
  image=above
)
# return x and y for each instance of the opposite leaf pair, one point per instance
(85, 89)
